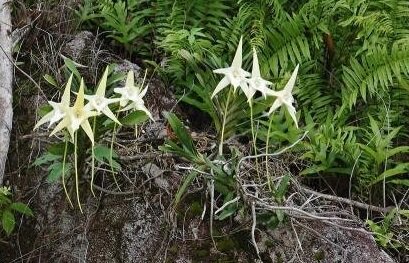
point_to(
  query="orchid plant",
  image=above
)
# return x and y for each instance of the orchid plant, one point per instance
(72, 120)
(249, 84)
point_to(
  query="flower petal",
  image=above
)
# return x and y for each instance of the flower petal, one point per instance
(65, 99)
(291, 82)
(277, 103)
(64, 123)
(107, 111)
(79, 102)
(256, 68)
(102, 84)
(222, 84)
(248, 91)
(292, 111)
(88, 130)
(44, 119)
(130, 79)
(237, 61)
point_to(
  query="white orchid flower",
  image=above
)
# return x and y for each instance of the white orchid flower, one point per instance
(284, 97)
(132, 96)
(59, 108)
(98, 102)
(234, 75)
(256, 82)
(76, 117)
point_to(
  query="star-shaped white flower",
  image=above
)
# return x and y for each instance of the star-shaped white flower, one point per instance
(234, 75)
(132, 96)
(59, 108)
(284, 97)
(76, 117)
(98, 101)
(256, 82)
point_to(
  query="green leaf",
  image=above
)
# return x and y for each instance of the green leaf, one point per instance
(21, 208)
(71, 66)
(43, 110)
(55, 171)
(46, 158)
(403, 182)
(59, 148)
(182, 189)
(134, 118)
(227, 212)
(50, 80)
(103, 154)
(8, 221)
(282, 188)
(398, 169)
(181, 132)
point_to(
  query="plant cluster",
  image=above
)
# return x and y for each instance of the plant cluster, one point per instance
(74, 121)
(8, 209)
(353, 80)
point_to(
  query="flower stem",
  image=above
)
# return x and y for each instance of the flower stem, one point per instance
(224, 123)
(266, 162)
(93, 158)
(76, 170)
(111, 153)
(63, 174)
(254, 136)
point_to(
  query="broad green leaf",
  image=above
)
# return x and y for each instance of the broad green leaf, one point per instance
(21, 208)
(72, 68)
(134, 118)
(46, 158)
(227, 212)
(8, 221)
(50, 80)
(43, 110)
(403, 182)
(103, 154)
(282, 188)
(55, 171)
(59, 148)
(398, 169)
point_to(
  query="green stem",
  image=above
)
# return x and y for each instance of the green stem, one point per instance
(77, 188)
(254, 136)
(224, 124)
(111, 153)
(267, 145)
(93, 158)
(63, 174)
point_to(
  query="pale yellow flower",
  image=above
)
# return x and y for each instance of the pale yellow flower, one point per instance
(234, 75)
(98, 101)
(76, 117)
(59, 108)
(256, 82)
(132, 96)
(284, 97)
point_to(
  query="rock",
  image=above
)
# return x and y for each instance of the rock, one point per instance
(320, 242)
(79, 46)
(126, 65)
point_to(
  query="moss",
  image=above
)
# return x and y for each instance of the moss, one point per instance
(201, 253)
(319, 255)
(196, 209)
(173, 250)
(226, 244)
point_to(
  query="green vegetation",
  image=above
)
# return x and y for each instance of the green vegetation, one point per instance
(8, 209)
(329, 83)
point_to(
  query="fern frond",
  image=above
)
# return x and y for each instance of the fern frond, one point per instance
(373, 72)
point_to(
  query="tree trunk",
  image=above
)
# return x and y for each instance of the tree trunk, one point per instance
(6, 110)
